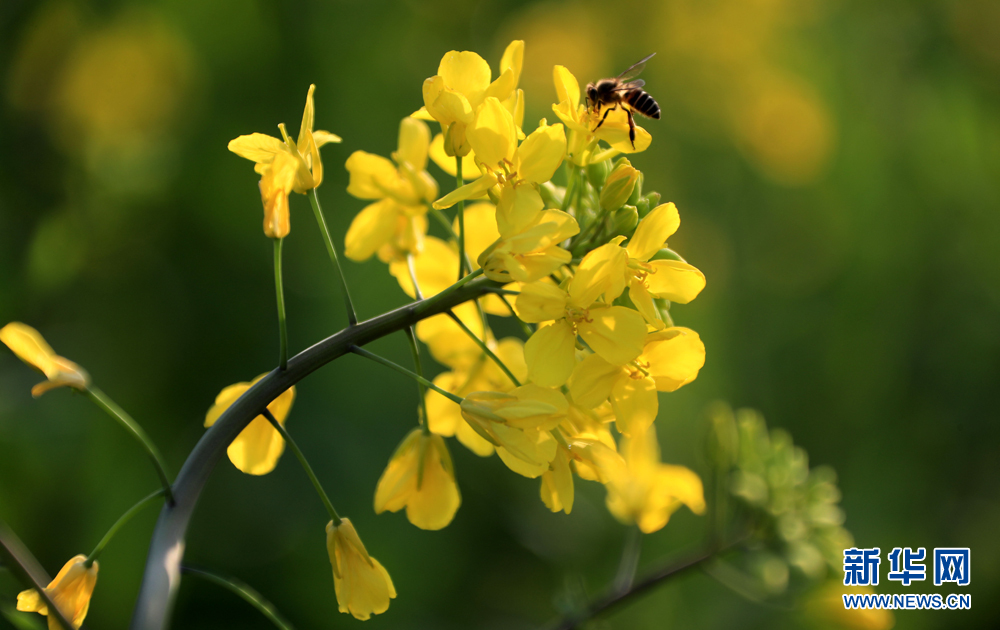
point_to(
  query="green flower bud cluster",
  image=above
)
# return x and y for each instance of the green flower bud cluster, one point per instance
(796, 522)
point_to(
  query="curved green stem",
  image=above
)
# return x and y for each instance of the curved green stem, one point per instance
(280, 290)
(352, 317)
(630, 559)
(461, 219)
(161, 578)
(124, 518)
(485, 348)
(109, 406)
(305, 465)
(402, 370)
(246, 592)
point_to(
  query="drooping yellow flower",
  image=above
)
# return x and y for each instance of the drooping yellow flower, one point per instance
(436, 268)
(582, 124)
(644, 491)
(420, 477)
(396, 223)
(31, 347)
(362, 584)
(616, 333)
(71, 591)
(673, 280)
(258, 447)
(445, 417)
(305, 168)
(670, 359)
(518, 424)
(453, 96)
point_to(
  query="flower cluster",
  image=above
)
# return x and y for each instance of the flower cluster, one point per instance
(584, 266)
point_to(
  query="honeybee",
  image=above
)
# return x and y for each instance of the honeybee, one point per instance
(621, 91)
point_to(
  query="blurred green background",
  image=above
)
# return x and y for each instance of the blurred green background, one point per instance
(836, 164)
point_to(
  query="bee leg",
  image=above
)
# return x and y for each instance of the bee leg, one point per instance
(631, 128)
(603, 118)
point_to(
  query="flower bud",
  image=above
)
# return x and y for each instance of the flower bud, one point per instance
(626, 218)
(647, 203)
(597, 173)
(637, 191)
(618, 186)
(667, 254)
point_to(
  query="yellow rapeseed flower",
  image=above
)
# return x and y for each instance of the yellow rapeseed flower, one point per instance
(31, 347)
(258, 447)
(305, 168)
(644, 491)
(396, 223)
(455, 94)
(444, 417)
(362, 584)
(420, 477)
(526, 253)
(616, 333)
(71, 591)
(582, 124)
(557, 483)
(518, 424)
(670, 359)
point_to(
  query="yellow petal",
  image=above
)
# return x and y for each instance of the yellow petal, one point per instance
(567, 87)
(308, 116)
(503, 88)
(653, 231)
(550, 354)
(414, 142)
(557, 484)
(643, 303)
(362, 585)
(372, 176)
(549, 228)
(527, 453)
(533, 266)
(325, 137)
(444, 104)
(469, 191)
(675, 280)
(513, 59)
(493, 135)
(257, 147)
(602, 271)
(519, 207)
(480, 229)
(466, 73)
(635, 404)
(257, 448)
(540, 302)
(540, 154)
(675, 356)
(615, 332)
(276, 182)
(29, 346)
(592, 381)
(436, 499)
(399, 479)
(447, 163)
(614, 131)
(370, 229)
(436, 268)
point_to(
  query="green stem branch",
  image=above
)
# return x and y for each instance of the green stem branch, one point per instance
(243, 590)
(109, 406)
(485, 348)
(305, 465)
(421, 389)
(280, 290)
(352, 317)
(402, 370)
(122, 520)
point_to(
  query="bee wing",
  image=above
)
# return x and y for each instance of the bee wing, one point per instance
(631, 85)
(633, 71)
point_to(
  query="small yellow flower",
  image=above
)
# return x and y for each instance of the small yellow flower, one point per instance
(305, 168)
(582, 123)
(396, 223)
(616, 333)
(362, 584)
(518, 424)
(644, 491)
(420, 477)
(444, 417)
(557, 483)
(31, 347)
(454, 96)
(258, 447)
(528, 248)
(672, 280)
(71, 591)
(670, 359)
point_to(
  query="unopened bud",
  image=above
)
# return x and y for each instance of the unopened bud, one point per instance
(667, 254)
(647, 203)
(597, 173)
(626, 218)
(636, 191)
(618, 186)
